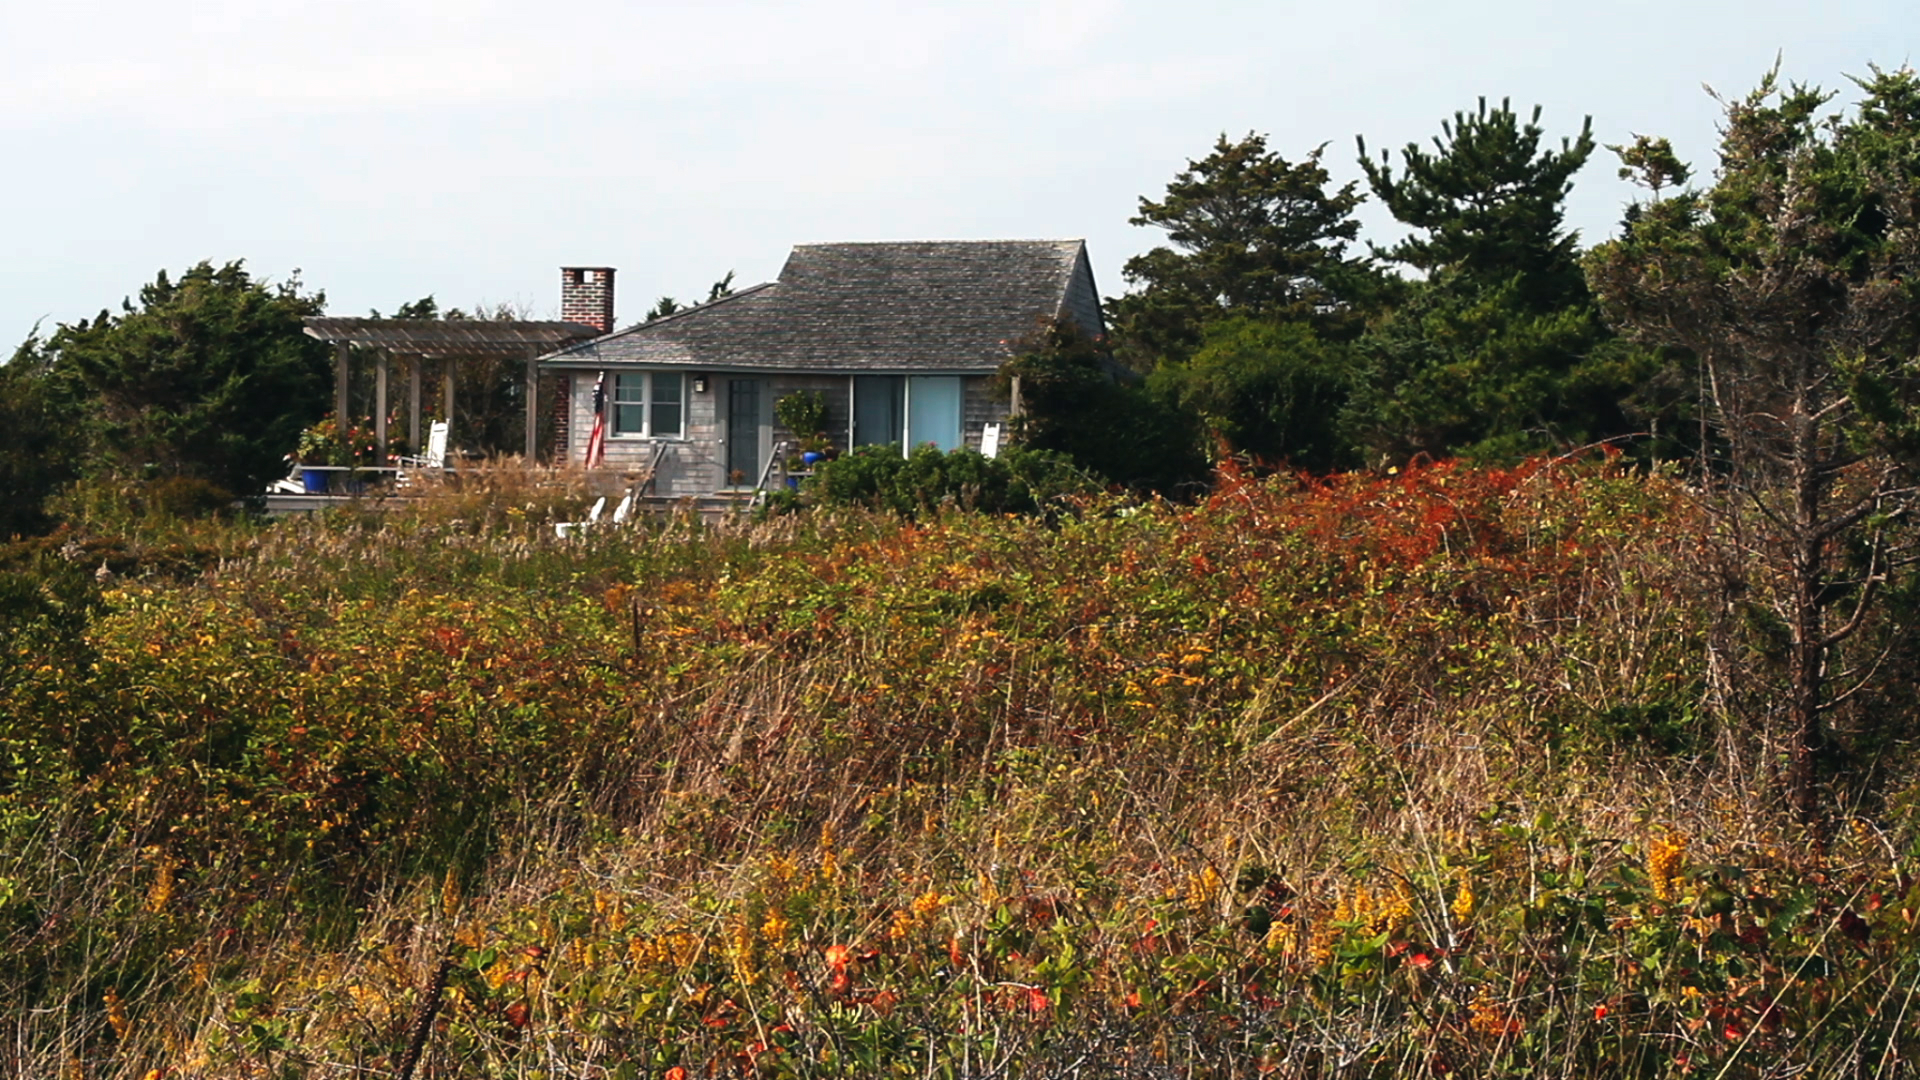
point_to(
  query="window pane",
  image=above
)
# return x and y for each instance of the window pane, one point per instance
(666, 403)
(877, 410)
(933, 411)
(629, 392)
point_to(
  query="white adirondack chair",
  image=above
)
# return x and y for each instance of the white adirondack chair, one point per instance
(565, 529)
(434, 458)
(436, 455)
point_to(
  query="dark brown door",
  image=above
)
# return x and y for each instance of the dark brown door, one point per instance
(743, 431)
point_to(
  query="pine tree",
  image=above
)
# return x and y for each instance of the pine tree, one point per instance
(1496, 350)
(1489, 204)
(1252, 234)
(39, 442)
(1796, 279)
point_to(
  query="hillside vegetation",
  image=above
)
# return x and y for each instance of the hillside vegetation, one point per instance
(1453, 771)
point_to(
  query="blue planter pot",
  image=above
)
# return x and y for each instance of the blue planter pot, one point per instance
(314, 480)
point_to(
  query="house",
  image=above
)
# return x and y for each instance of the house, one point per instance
(902, 339)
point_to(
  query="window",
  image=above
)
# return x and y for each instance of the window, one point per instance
(649, 404)
(908, 410)
(879, 406)
(934, 411)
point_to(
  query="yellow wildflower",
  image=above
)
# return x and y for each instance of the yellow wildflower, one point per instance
(450, 893)
(117, 1014)
(1283, 937)
(1489, 1018)
(774, 929)
(1464, 900)
(929, 902)
(1203, 887)
(782, 868)
(903, 924)
(739, 945)
(1666, 862)
(162, 889)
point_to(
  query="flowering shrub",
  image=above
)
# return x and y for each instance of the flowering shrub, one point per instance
(327, 443)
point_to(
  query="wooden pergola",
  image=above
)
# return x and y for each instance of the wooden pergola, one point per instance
(416, 341)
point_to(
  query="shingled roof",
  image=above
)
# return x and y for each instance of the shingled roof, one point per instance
(946, 306)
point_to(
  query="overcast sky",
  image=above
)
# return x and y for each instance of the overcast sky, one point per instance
(392, 149)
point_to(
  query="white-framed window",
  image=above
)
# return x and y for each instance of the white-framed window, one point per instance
(649, 405)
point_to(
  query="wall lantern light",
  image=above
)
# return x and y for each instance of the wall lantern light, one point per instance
(699, 384)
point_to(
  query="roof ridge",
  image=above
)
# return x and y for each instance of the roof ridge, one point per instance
(704, 305)
(707, 305)
(930, 243)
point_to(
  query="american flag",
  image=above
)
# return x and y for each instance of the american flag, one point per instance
(597, 441)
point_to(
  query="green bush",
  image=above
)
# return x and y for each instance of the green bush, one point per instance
(878, 477)
(1077, 402)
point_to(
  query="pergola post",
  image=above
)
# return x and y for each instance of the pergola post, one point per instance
(380, 404)
(446, 396)
(342, 354)
(413, 404)
(533, 404)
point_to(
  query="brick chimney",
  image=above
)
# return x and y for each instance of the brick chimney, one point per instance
(586, 296)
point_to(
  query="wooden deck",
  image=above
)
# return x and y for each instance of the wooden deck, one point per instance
(712, 509)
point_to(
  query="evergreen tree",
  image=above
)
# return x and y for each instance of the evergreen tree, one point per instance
(1253, 235)
(1076, 401)
(1488, 204)
(40, 441)
(667, 305)
(210, 377)
(1461, 368)
(1497, 350)
(1796, 279)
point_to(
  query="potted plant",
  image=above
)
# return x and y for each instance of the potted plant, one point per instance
(320, 446)
(804, 414)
